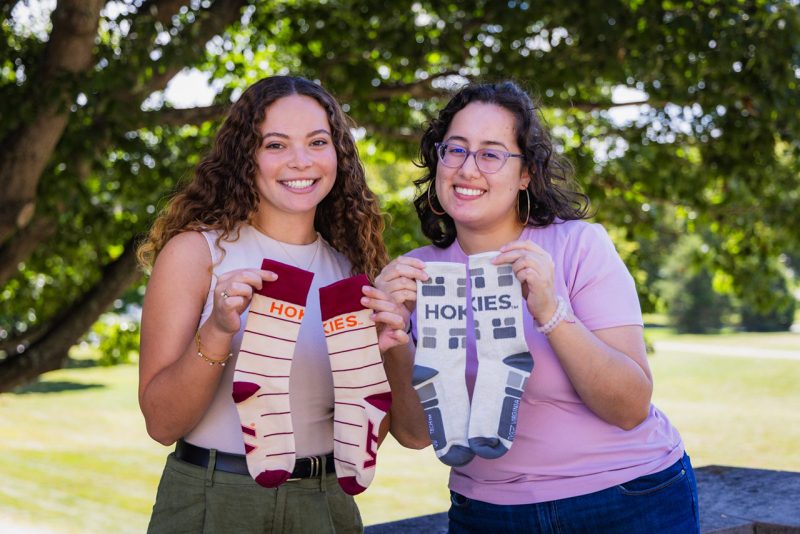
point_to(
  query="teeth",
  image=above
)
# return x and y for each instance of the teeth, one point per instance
(298, 184)
(468, 192)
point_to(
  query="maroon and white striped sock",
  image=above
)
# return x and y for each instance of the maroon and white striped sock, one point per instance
(361, 391)
(263, 366)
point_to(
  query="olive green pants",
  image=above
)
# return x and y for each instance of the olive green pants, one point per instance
(193, 499)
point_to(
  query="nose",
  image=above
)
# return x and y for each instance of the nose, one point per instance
(469, 169)
(301, 159)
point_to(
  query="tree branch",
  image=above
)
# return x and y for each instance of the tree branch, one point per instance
(161, 11)
(586, 105)
(72, 39)
(180, 117)
(404, 135)
(210, 22)
(22, 244)
(417, 89)
(50, 351)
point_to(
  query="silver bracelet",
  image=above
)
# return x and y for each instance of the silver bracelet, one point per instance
(558, 316)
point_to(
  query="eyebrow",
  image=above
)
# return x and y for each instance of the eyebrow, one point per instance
(284, 136)
(483, 143)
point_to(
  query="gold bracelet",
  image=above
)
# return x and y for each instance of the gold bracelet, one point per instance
(205, 358)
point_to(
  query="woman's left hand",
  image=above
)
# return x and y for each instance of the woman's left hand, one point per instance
(389, 316)
(533, 267)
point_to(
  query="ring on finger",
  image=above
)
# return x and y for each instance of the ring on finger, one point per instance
(224, 294)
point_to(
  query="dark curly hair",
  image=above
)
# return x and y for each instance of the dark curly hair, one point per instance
(223, 194)
(553, 192)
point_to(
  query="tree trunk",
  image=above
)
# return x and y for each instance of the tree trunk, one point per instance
(27, 150)
(49, 352)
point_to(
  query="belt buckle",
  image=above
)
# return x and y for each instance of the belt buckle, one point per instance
(316, 469)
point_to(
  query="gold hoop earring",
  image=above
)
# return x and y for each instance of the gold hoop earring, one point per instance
(528, 213)
(430, 203)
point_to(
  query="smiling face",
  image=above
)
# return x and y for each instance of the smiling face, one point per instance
(296, 159)
(477, 201)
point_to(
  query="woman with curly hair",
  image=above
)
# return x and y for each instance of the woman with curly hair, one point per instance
(283, 181)
(528, 373)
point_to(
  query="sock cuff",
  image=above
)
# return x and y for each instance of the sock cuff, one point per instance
(292, 285)
(484, 256)
(342, 297)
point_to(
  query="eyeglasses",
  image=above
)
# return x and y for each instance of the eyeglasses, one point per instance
(488, 160)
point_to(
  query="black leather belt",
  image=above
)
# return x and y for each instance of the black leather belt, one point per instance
(310, 467)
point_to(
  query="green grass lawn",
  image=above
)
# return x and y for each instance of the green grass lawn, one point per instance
(75, 457)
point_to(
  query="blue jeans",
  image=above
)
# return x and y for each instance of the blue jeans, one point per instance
(661, 503)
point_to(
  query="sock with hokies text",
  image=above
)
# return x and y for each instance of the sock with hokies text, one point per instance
(504, 361)
(361, 392)
(263, 366)
(441, 358)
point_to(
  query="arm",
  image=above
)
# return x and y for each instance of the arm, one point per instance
(175, 385)
(608, 367)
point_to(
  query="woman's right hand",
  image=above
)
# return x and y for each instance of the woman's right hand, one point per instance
(399, 280)
(232, 295)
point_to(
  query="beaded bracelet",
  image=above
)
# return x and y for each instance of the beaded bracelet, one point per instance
(559, 315)
(205, 358)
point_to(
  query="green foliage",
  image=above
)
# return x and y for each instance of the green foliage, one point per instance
(778, 317)
(403, 231)
(392, 181)
(116, 339)
(713, 152)
(692, 304)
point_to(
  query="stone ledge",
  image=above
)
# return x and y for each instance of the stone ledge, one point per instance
(737, 500)
(733, 500)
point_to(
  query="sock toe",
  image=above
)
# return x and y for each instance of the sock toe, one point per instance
(272, 478)
(457, 456)
(350, 486)
(242, 391)
(489, 448)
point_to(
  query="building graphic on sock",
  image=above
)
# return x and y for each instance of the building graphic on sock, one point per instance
(440, 360)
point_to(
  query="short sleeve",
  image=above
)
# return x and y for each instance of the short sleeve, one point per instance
(601, 290)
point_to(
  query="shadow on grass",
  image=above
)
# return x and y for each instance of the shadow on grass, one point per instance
(80, 363)
(56, 386)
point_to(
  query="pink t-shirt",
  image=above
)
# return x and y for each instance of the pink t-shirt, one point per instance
(561, 448)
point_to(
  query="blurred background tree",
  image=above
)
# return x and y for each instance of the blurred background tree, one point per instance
(680, 116)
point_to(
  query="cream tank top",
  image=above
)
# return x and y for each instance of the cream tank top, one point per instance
(311, 382)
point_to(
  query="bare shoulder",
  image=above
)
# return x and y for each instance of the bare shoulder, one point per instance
(183, 264)
(191, 245)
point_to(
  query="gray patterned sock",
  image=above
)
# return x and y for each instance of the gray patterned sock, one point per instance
(441, 357)
(504, 362)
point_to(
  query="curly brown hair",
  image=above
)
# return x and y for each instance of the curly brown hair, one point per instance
(223, 195)
(553, 193)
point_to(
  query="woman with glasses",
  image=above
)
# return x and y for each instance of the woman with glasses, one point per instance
(590, 452)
